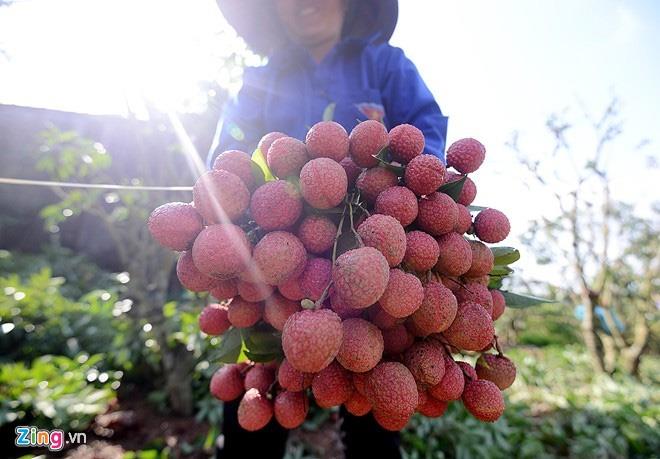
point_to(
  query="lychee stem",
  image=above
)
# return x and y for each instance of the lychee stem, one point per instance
(323, 296)
(497, 346)
(350, 214)
(337, 235)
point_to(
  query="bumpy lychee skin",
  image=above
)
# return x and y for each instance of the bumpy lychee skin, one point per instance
(373, 181)
(452, 383)
(243, 314)
(191, 277)
(421, 251)
(390, 421)
(276, 205)
(175, 225)
(278, 309)
(343, 310)
(469, 190)
(221, 251)
(466, 155)
(437, 214)
(352, 170)
(398, 202)
(254, 411)
(316, 277)
(254, 291)
(366, 140)
(227, 383)
(323, 183)
(259, 377)
(291, 289)
(406, 142)
(291, 379)
(381, 318)
(360, 382)
(432, 408)
(483, 400)
(327, 139)
(213, 319)
(391, 389)
(464, 220)
(239, 163)
(491, 225)
(496, 368)
(286, 156)
(472, 329)
(279, 255)
(357, 404)
(476, 293)
(469, 373)
(426, 362)
(386, 234)
(290, 409)
(317, 233)
(482, 260)
(224, 289)
(360, 276)
(396, 339)
(311, 339)
(437, 311)
(404, 294)
(499, 303)
(332, 386)
(424, 174)
(220, 196)
(267, 140)
(362, 346)
(454, 255)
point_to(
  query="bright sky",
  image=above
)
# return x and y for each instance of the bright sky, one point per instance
(494, 67)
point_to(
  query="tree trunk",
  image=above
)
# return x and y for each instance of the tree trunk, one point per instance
(631, 356)
(590, 337)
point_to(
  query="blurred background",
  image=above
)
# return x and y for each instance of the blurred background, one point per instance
(97, 336)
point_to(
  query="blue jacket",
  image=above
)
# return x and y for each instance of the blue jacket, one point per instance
(362, 80)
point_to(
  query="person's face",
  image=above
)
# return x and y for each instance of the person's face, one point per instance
(312, 22)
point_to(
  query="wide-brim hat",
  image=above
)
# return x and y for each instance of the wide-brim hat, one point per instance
(256, 23)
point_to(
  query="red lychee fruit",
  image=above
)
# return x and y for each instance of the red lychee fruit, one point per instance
(469, 373)
(213, 319)
(362, 346)
(360, 276)
(254, 411)
(316, 277)
(476, 293)
(291, 379)
(276, 205)
(277, 310)
(311, 339)
(220, 196)
(290, 409)
(404, 294)
(341, 308)
(406, 142)
(386, 234)
(372, 182)
(227, 383)
(291, 289)
(391, 421)
(483, 400)
(278, 256)
(221, 251)
(421, 251)
(267, 140)
(396, 339)
(366, 140)
(491, 225)
(254, 291)
(286, 156)
(481, 280)
(381, 318)
(472, 329)
(323, 183)
(391, 389)
(437, 214)
(432, 408)
(464, 220)
(398, 202)
(437, 311)
(352, 170)
(332, 386)
(175, 225)
(482, 260)
(452, 283)
(466, 155)
(496, 368)
(242, 313)
(191, 277)
(426, 362)
(259, 377)
(357, 404)
(452, 383)
(327, 139)
(455, 255)
(424, 174)
(360, 382)
(414, 329)
(224, 289)
(317, 233)
(239, 163)
(499, 303)
(469, 190)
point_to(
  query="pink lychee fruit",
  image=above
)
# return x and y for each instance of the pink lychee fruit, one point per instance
(455, 255)
(476, 293)
(381, 318)
(496, 368)
(424, 174)
(472, 329)
(499, 303)
(483, 260)
(484, 400)
(372, 182)
(421, 251)
(221, 251)
(357, 404)
(464, 220)
(386, 234)
(352, 170)
(403, 295)
(391, 389)
(220, 196)
(243, 314)
(398, 202)
(254, 411)
(317, 233)
(175, 225)
(291, 379)
(437, 214)
(327, 139)
(291, 289)
(391, 421)
(469, 373)
(316, 277)
(227, 383)
(276, 205)
(191, 277)
(343, 310)
(267, 140)
(360, 276)
(426, 362)
(396, 339)
(452, 383)
(437, 311)
(466, 155)
(362, 345)
(323, 183)
(290, 409)
(254, 291)
(332, 386)
(239, 163)
(469, 190)
(279, 255)
(224, 289)
(366, 140)
(311, 339)
(406, 142)
(432, 408)
(259, 377)
(491, 225)
(278, 309)
(213, 319)
(286, 156)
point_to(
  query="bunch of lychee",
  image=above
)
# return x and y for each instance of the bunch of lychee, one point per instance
(364, 255)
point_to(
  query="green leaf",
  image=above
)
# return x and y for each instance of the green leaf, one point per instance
(263, 357)
(495, 282)
(329, 112)
(453, 189)
(230, 347)
(518, 301)
(261, 342)
(383, 157)
(500, 270)
(505, 255)
(476, 208)
(259, 160)
(257, 172)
